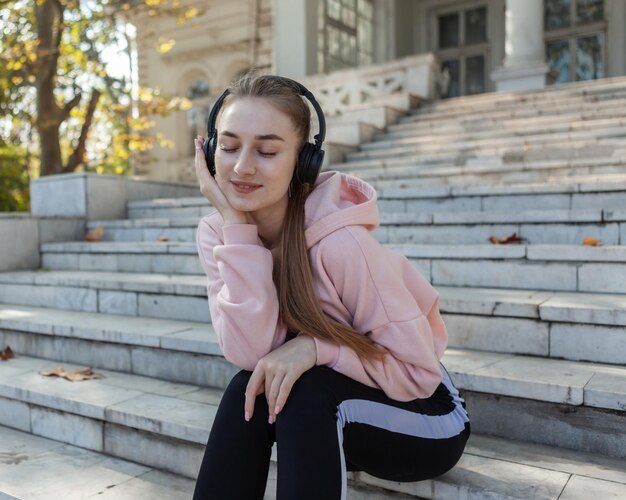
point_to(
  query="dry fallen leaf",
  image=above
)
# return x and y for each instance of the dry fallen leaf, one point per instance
(78, 374)
(512, 238)
(594, 242)
(95, 235)
(7, 354)
(163, 238)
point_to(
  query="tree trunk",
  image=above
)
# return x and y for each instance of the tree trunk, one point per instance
(49, 14)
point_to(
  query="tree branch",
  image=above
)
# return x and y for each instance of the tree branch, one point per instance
(78, 156)
(69, 106)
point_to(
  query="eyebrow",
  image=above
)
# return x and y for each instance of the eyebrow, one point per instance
(265, 137)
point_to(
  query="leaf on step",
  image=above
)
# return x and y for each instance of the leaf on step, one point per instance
(78, 374)
(593, 242)
(7, 354)
(163, 238)
(95, 235)
(512, 238)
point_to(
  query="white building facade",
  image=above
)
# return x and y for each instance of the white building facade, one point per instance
(457, 48)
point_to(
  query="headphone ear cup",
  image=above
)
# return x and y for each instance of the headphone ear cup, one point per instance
(209, 154)
(310, 162)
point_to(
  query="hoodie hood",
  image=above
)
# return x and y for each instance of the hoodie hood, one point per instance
(339, 200)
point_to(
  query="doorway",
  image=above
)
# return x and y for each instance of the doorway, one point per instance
(460, 41)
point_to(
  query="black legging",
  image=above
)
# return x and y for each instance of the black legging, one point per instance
(408, 441)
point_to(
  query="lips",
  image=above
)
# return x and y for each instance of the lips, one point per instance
(245, 187)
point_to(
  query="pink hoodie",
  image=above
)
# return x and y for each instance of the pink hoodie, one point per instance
(357, 280)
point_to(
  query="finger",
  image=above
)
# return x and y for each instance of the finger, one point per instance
(283, 393)
(202, 170)
(272, 395)
(268, 387)
(200, 159)
(254, 388)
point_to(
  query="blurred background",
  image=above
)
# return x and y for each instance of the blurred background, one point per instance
(121, 86)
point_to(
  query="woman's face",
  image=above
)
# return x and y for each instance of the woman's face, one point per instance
(255, 157)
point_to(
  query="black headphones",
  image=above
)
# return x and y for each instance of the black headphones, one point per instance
(311, 155)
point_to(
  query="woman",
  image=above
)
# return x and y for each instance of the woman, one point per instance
(338, 339)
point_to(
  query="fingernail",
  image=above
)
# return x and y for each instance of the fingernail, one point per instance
(247, 416)
(277, 409)
(271, 420)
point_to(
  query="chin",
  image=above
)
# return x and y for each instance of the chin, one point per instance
(242, 205)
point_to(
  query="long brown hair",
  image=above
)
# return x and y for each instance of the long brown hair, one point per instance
(299, 307)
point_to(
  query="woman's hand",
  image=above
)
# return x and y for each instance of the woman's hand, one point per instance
(211, 191)
(277, 372)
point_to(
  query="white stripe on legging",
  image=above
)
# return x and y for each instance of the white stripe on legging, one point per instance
(402, 421)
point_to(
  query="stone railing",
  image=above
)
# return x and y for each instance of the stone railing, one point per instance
(22, 233)
(62, 204)
(418, 75)
(94, 196)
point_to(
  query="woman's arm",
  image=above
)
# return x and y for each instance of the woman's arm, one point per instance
(242, 296)
(388, 300)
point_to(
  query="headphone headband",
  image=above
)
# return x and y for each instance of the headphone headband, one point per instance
(311, 156)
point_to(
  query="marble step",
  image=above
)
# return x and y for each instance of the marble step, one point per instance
(499, 137)
(149, 229)
(557, 227)
(38, 468)
(405, 190)
(568, 268)
(542, 267)
(167, 296)
(506, 160)
(164, 207)
(54, 289)
(534, 233)
(520, 107)
(551, 146)
(599, 90)
(145, 420)
(538, 226)
(490, 127)
(483, 119)
(581, 160)
(490, 170)
(574, 326)
(581, 91)
(492, 467)
(127, 256)
(532, 132)
(411, 195)
(512, 161)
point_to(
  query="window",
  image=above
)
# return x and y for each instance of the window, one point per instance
(575, 34)
(346, 34)
(462, 46)
(198, 114)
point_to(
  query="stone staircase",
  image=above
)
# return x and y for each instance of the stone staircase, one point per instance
(537, 337)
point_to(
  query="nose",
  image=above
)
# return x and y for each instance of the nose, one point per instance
(245, 164)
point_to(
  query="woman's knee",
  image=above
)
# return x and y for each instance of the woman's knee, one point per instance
(312, 390)
(235, 391)
(239, 382)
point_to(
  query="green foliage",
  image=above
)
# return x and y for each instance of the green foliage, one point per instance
(68, 74)
(14, 180)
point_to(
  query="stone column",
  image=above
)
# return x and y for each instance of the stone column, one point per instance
(294, 37)
(524, 65)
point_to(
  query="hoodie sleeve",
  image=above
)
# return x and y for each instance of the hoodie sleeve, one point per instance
(386, 299)
(242, 296)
